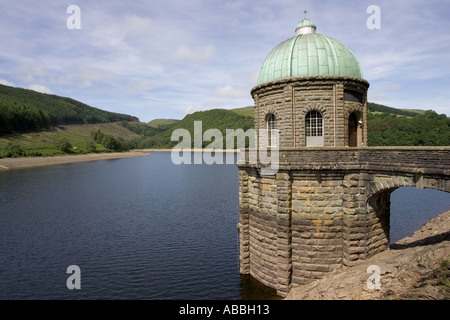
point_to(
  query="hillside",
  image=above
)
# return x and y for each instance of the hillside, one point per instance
(220, 119)
(156, 123)
(37, 124)
(245, 111)
(387, 126)
(23, 110)
(67, 139)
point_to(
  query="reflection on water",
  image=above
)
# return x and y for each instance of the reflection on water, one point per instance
(251, 289)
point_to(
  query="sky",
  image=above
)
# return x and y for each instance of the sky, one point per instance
(167, 58)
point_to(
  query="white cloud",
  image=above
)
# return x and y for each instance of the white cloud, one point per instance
(253, 78)
(194, 54)
(382, 92)
(136, 26)
(143, 85)
(191, 109)
(88, 75)
(40, 88)
(165, 55)
(230, 92)
(31, 71)
(7, 83)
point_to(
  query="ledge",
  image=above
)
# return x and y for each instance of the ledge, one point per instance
(415, 160)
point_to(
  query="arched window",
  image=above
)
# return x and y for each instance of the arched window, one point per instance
(352, 130)
(314, 128)
(271, 130)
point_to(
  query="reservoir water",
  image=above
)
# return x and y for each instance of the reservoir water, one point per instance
(140, 228)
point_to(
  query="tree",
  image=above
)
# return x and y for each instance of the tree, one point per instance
(12, 150)
(64, 145)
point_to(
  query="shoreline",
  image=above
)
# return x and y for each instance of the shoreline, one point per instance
(33, 162)
(192, 150)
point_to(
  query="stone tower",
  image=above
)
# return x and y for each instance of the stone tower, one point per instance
(325, 202)
(311, 102)
(311, 91)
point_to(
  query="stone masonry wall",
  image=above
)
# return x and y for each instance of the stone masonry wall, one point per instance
(325, 208)
(291, 99)
(316, 224)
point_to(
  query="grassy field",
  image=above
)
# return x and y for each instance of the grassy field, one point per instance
(45, 143)
(161, 122)
(418, 111)
(386, 126)
(245, 111)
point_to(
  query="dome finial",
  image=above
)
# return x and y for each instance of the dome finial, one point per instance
(305, 26)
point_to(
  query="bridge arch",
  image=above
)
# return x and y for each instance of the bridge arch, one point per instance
(382, 182)
(378, 202)
(411, 208)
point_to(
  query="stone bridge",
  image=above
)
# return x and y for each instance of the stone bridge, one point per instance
(325, 207)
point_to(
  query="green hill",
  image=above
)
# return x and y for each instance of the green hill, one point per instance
(417, 111)
(33, 123)
(387, 126)
(211, 119)
(245, 111)
(38, 124)
(23, 110)
(157, 123)
(68, 139)
(427, 129)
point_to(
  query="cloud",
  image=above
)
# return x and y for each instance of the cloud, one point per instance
(194, 54)
(136, 26)
(230, 92)
(165, 57)
(88, 75)
(40, 88)
(191, 109)
(143, 85)
(31, 71)
(206, 105)
(7, 83)
(252, 78)
(381, 92)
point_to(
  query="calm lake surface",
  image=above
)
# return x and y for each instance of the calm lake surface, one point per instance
(140, 228)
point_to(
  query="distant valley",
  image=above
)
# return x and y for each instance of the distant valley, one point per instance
(37, 124)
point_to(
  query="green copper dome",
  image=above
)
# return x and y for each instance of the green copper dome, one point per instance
(309, 54)
(304, 23)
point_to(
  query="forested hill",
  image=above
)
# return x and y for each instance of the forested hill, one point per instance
(220, 119)
(23, 110)
(387, 126)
